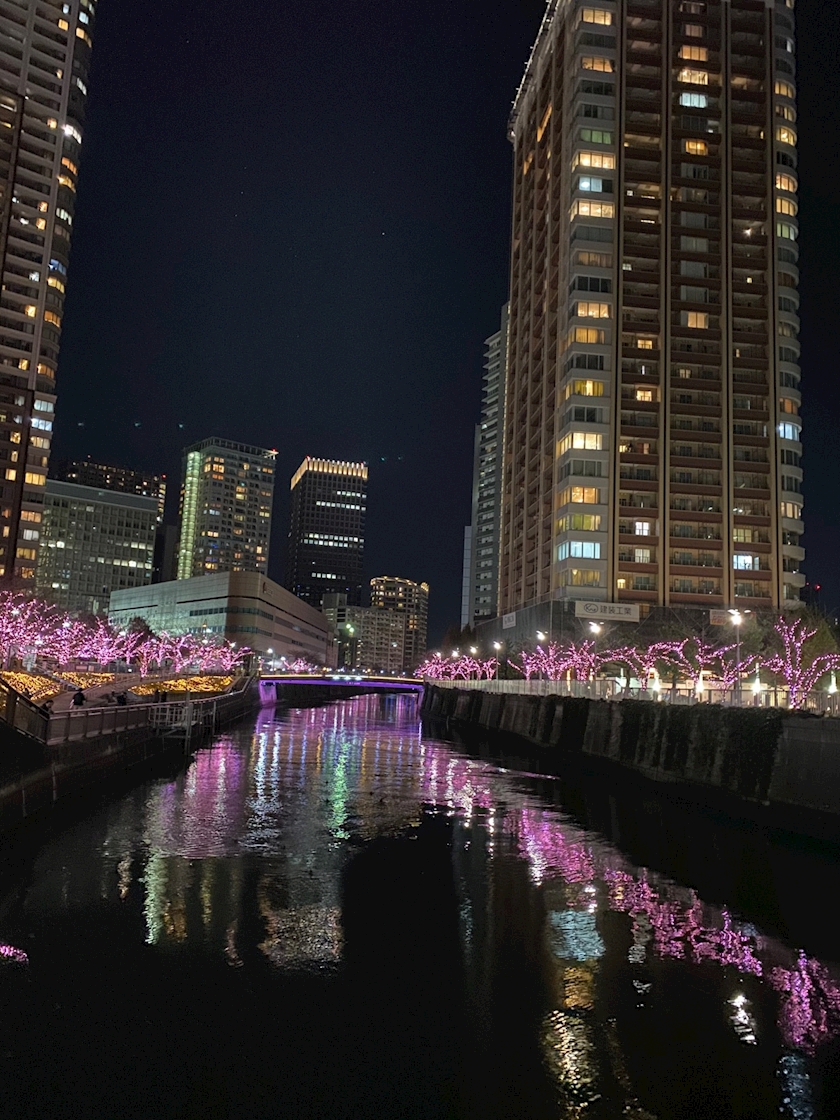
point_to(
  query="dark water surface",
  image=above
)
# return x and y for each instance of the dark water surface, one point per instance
(330, 914)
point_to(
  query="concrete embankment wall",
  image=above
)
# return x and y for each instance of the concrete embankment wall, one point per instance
(765, 759)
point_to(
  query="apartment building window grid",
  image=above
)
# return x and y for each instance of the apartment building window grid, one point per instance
(701, 375)
(44, 62)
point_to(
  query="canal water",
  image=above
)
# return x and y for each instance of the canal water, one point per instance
(332, 914)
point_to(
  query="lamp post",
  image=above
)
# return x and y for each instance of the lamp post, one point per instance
(497, 646)
(737, 618)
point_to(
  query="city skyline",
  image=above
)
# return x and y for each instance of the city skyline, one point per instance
(432, 527)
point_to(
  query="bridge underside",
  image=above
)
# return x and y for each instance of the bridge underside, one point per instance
(300, 690)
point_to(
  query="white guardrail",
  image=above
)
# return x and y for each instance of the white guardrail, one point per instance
(823, 703)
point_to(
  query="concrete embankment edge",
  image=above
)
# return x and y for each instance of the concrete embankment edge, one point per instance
(779, 767)
(69, 771)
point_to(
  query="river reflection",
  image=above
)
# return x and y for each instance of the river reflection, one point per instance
(336, 916)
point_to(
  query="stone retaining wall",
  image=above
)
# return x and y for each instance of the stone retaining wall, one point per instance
(756, 756)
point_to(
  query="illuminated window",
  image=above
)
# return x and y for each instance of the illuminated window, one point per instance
(579, 522)
(786, 136)
(789, 431)
(641, 556)
(83, 35)
(693, 30)
(786, 112)
(789, 406)
(54, 282)
(579, 550)
(587, 335)
(66, 181)
(581, 441)
(580, 495)
(602, 160)
(699, 320)
(602, 65)
(744, 563)
(695, 147)
(11, 474)
(642, 528)
(594, 183)
(785, 89)
(694, 54)
(595, 15)
(591, 310)
(644, 343)
(791, 509)
(585, 209)
(587, 388)
(51, 317)
(68, 163)
(30, 311)
(63, 25)
(786, 206)
(644, 394)
(694, 100)
(621, 584)
(786, 183)
(583, 578)
(693, 77)
(784, 229)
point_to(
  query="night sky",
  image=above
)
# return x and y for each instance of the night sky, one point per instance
(292, 231)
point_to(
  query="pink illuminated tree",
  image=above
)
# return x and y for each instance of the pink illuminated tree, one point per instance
(798, 667)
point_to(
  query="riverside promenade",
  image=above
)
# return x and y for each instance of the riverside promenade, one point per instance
(47, 758)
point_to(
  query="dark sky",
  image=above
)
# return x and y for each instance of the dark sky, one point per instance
(292, 230)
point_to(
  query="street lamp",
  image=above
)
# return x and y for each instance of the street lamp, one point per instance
(737, 618)
(497, 646)
(540, 636)
(595, 627)
(473, 650)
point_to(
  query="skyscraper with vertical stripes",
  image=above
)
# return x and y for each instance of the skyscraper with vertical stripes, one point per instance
(652, 440)
(44, 60)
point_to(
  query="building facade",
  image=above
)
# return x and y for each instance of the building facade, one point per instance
(327, 530)
(44, 60)
(93, 542)
(383, 642)
(242, 607)
(226, 498)
(123, 480)
(481, 561)
(410, 599)
(652, 443)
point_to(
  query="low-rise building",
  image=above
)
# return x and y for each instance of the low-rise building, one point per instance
(242, 607)
(93, 542)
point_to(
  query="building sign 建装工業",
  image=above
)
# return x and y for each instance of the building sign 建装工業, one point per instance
(615, 612)
(509, 620)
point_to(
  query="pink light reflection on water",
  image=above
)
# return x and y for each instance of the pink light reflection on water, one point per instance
(685, 928)
(10, 953)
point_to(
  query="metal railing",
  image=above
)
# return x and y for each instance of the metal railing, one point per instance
(820, 703)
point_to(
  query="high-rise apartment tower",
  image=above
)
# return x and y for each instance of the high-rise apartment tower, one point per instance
(44, 59)
(327, 530)
(389, 593)
(652, 446)
(481, 552)
(226, 499)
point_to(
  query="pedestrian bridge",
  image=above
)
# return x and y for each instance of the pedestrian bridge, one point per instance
(317, 688)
